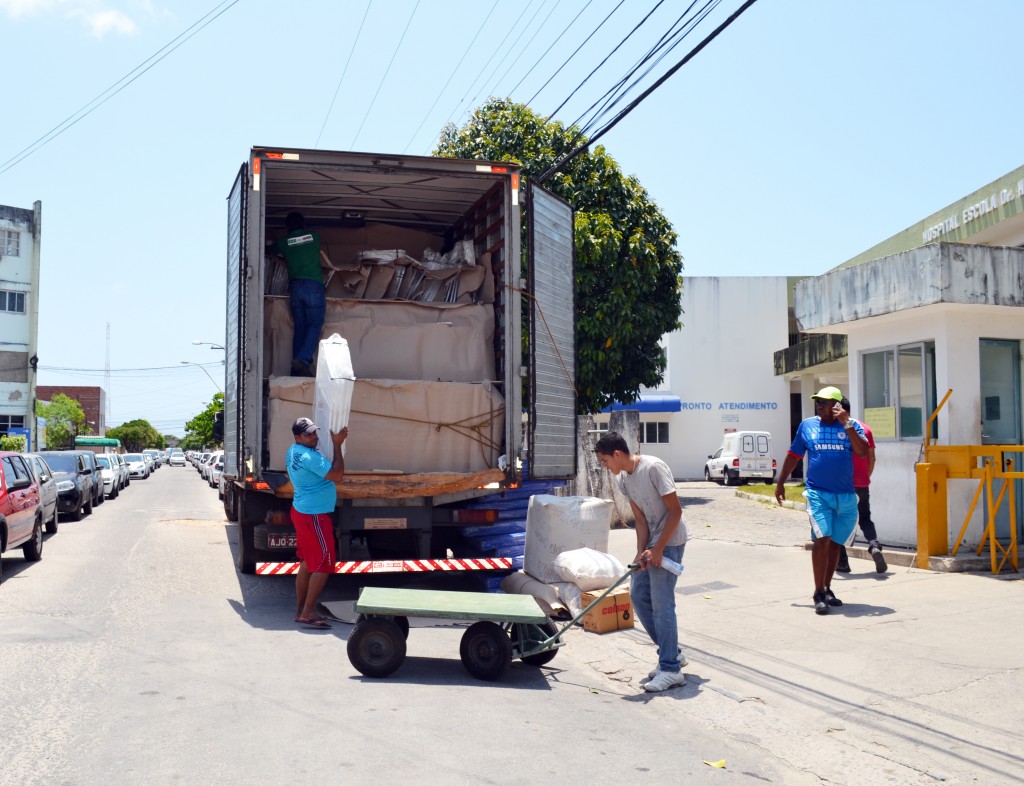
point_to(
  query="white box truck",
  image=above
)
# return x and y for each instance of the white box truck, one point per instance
(424, 278)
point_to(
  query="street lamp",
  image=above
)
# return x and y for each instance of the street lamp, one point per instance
(198, 365)
(210, 344)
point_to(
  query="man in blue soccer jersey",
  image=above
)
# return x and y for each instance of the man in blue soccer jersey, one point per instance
(830, 439)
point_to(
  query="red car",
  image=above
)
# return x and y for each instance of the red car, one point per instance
(21, 518)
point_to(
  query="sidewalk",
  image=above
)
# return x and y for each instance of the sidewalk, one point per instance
(916, 679)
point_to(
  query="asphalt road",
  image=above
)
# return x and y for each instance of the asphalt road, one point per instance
(134, 653)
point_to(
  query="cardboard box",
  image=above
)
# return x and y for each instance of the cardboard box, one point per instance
(615, 612)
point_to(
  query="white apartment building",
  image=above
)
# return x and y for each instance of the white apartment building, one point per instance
(20, 232)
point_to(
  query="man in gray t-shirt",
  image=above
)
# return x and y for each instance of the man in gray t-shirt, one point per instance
(661, 532)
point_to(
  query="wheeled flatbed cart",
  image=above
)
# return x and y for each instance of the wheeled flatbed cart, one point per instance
(507, 627)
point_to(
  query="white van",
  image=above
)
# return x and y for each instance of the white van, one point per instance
(744, 456)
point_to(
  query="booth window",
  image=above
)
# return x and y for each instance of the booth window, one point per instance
(899, 390)
(654, 432)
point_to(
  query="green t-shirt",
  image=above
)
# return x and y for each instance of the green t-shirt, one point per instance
(301, 249)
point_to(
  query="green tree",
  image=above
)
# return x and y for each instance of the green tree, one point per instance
(199, 430)
(628, 271)
(136, 435)
(64, 419)
(8, 442)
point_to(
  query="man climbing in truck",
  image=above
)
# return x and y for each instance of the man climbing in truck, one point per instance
(301, 250)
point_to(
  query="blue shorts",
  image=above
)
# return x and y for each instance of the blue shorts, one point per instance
(832, 515)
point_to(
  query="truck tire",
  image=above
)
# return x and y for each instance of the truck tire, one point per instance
(376, 647)
(486, 650)
(33, 548)
(230, 504)
(246, 549)
(731, 480)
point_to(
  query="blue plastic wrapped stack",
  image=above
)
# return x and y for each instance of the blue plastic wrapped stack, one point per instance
(507, 537)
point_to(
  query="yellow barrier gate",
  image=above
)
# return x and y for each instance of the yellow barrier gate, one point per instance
(984, 463)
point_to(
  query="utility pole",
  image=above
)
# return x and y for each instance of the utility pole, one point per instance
(106, 387)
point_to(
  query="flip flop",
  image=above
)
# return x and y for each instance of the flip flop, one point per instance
(319, 623)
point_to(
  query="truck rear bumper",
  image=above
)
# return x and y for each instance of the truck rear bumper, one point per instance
(394, 566)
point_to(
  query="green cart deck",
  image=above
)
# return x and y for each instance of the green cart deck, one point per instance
(446, 604)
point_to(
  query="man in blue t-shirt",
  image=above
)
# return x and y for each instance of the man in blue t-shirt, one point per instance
(830, 439)
(314, 496)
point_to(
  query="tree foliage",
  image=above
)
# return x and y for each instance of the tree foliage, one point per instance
(18, 443)
(628, 271)
(64, 420)
(136, 435)
(199, 430)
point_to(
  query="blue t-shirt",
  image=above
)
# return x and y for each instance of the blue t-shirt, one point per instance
(306, 469)
(829, 454)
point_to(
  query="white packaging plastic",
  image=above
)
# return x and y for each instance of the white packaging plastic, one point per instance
(332, 396)
(557, 524)
(589, 569)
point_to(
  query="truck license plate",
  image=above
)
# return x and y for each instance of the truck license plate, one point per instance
(281, 540)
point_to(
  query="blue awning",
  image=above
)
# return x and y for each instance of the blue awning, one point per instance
(650, 402)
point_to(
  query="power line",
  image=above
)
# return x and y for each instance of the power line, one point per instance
(343, 72)
(386, 72)
(96, 103)
(551, 46)
(508, 40)
(605, 60)
(494, 90)
(616, 92)
(575, 52)
(451, 75)
(639, 99)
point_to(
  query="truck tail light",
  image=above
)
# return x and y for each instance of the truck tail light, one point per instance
(735, 462)
(774, 463)
(474, 516)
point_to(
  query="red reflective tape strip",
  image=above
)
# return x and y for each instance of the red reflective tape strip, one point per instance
(275, 155)
(255, 166)
(392, 566)
(515, 182)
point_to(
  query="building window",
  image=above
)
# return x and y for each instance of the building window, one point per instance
(899, 390)
(654, 432)
(10, 243)
(13, 302)
(7, 422)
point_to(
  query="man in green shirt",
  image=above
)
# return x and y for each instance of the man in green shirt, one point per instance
(301, 250)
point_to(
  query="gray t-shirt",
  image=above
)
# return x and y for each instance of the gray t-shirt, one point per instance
(650, 481)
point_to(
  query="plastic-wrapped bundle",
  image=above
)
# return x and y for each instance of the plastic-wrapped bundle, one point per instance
(332, 397)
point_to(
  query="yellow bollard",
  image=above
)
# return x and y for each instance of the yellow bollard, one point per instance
(932, 516)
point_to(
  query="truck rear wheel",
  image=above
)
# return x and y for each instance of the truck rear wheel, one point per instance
(246, 548)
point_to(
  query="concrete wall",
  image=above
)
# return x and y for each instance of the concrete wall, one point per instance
(720, 364)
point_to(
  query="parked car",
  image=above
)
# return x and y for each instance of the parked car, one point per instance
(111, 474)
(74, 481)
(47, 489)
(21, 520)
(93, 468)
(743, 456)
(138, 467)
(207, 465)
(154, 456)
(122, 470)
(216, 470)
(176, 459)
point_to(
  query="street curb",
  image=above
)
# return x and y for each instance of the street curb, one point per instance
(763, 498)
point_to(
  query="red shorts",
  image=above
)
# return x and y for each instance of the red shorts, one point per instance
(314, 533)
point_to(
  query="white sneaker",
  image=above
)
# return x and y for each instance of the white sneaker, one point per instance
(683, 663)
(664, 680)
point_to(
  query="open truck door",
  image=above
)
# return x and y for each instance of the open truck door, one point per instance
(551, 437)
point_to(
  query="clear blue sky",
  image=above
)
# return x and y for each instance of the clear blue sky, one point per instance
(806, 133)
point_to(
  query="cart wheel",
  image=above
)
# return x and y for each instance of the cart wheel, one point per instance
(541, 658)
(401, 622)
(486, 650)
(376, 647)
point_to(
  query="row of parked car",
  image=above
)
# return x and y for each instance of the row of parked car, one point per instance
(37, 489)
(210, 466)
